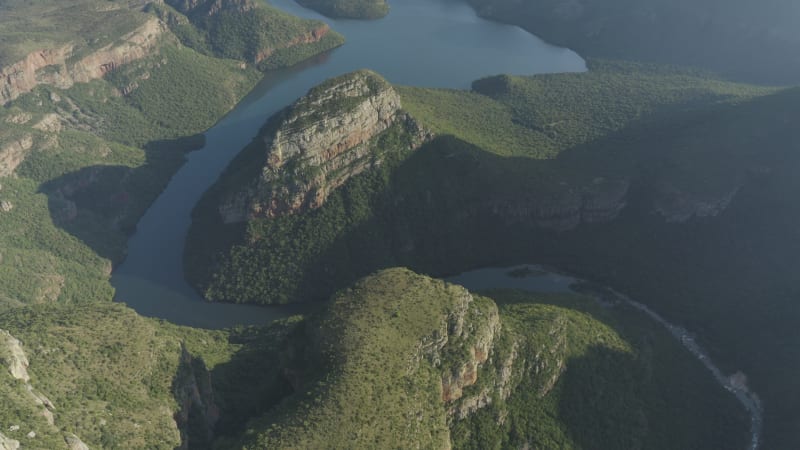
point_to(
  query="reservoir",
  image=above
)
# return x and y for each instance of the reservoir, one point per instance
(427, 43)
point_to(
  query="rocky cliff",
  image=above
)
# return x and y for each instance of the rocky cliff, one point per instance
(677, 206)
(64, 65)
(198, 412)
(319, 143)
(562, 209)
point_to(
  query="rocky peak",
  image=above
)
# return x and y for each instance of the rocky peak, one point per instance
(319, 142)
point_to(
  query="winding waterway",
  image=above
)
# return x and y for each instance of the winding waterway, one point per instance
(430, 43)
(538, 279)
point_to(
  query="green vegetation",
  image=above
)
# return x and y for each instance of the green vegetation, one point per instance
(27, 26)
(85, 183)
(108, 372)
(100, 152)
(278, 256)
(249, 30)
(625, 384)
(366, 370)
(371, 371)
(349, 9)
(472, 199)
(116, 379)
(544, 115)
(407, 211)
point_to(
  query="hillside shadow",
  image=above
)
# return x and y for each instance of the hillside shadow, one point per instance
(258, 377)
(452, 207)
(101, 204)
(600, 400)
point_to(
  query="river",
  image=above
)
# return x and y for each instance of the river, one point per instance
(538, 279)
(429, 43)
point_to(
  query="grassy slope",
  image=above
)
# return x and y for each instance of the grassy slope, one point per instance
(366, 390)
(27, 26)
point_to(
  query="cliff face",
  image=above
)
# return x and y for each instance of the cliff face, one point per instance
(319, 143)
(198, 412)
(564, 209)
(469, 331)
(55, 67)
(678, 206)
(502, 360)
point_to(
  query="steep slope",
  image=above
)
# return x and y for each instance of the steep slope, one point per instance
(351, 125)
(98, 375)
(404, 360)
(99, 106)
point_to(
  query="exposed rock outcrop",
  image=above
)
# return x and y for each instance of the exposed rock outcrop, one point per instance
(677, 206)
(195, 397)
(564, 209)
(472, 331)
(6, 443)
(319, 143)
(75, 443)
(13, 154)
(13, 357)
(54, 66)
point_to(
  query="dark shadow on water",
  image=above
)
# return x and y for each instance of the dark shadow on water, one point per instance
(101, 204)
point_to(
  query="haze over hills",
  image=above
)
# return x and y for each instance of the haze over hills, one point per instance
(741, 39)
(670, 183)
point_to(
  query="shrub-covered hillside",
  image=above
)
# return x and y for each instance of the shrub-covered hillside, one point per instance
(402, 360)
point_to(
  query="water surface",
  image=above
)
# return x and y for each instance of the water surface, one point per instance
(430, 43)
